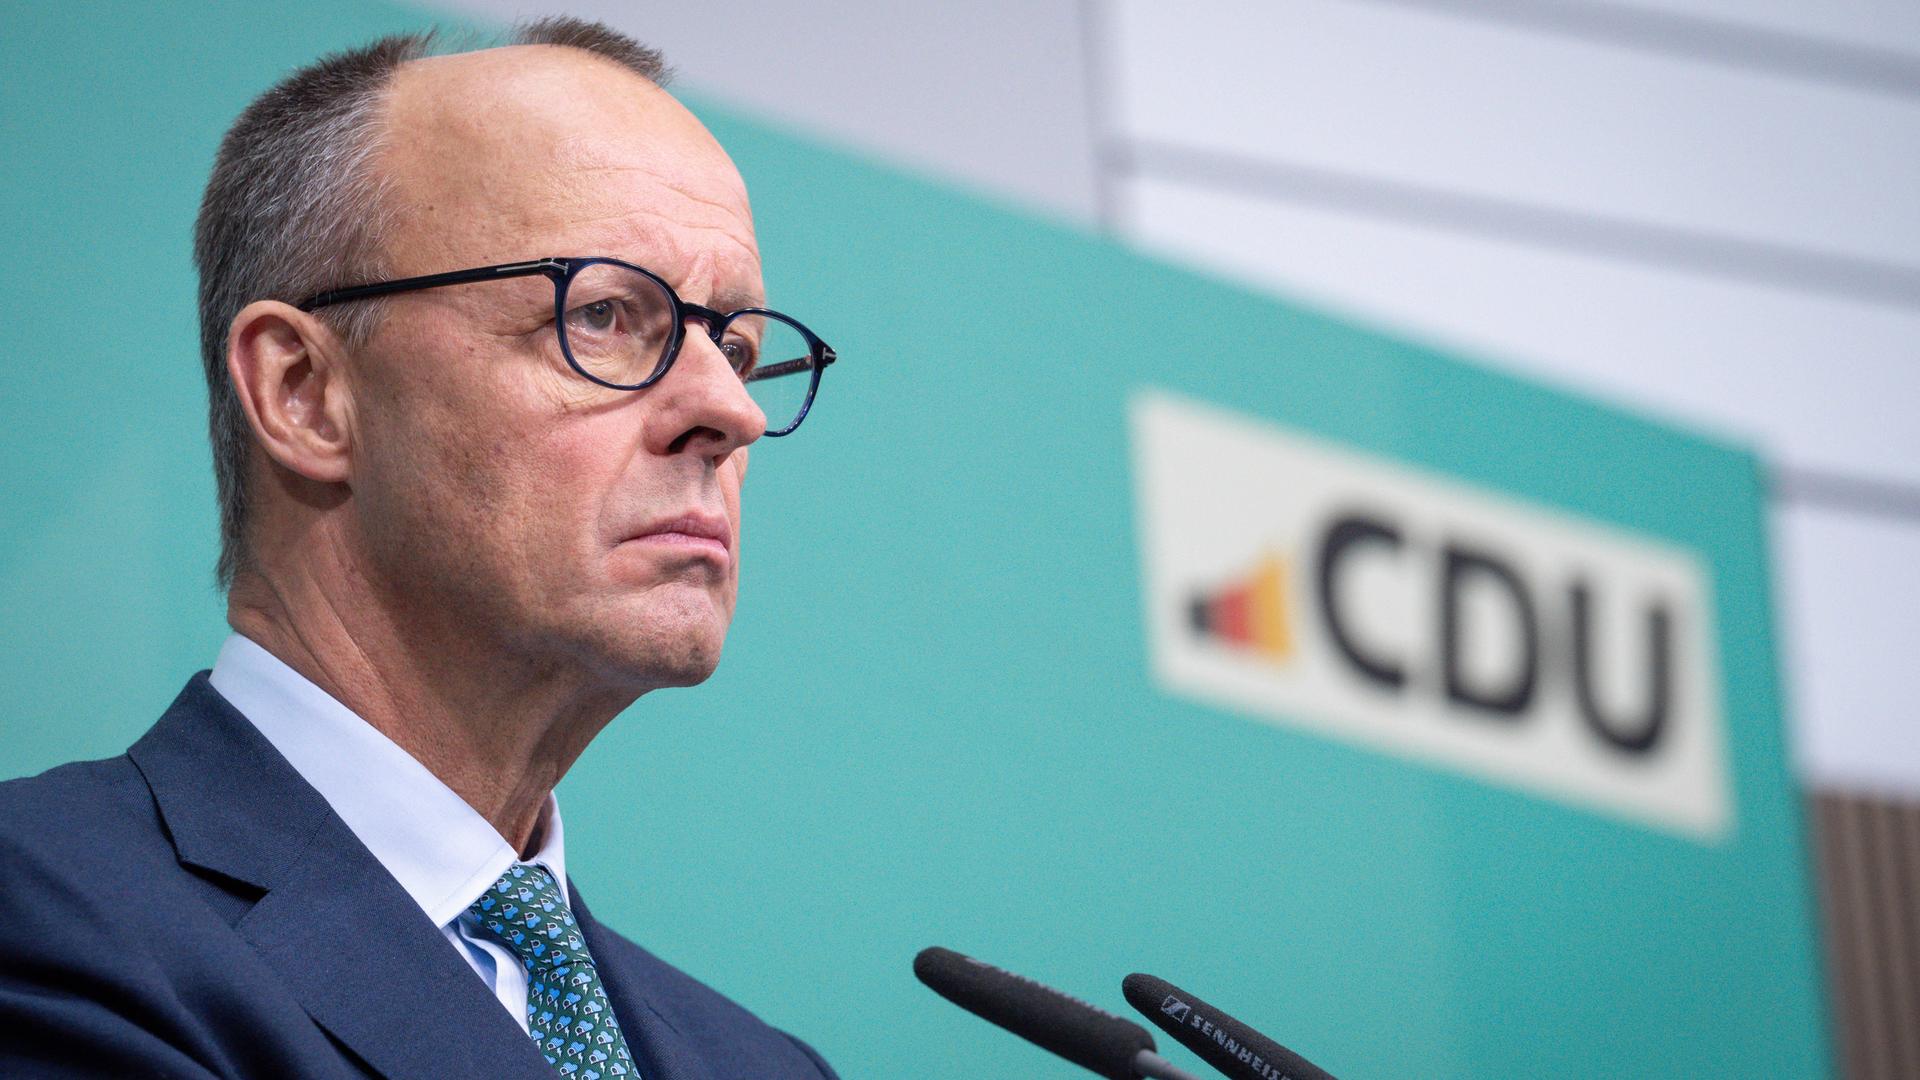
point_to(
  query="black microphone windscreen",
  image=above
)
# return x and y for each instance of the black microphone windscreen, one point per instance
(1089, 1037)
(1223, 1042)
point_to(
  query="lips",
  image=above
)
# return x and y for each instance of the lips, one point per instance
(692, 530)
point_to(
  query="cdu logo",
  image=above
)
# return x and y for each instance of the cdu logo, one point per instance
(1248, 611)
(1176, 1008)
(1314, 586)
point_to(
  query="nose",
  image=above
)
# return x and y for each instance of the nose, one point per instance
(701, 406)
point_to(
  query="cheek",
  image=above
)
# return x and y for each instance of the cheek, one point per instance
(451, 490)
(566, 476)
(531, 455)
(541, 485)
(463, 472)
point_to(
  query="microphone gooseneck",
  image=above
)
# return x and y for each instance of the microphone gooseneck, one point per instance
(1223, 1042)
(1090, 1037)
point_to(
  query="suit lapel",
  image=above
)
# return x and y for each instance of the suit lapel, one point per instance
(353, 947)
(660, 1050)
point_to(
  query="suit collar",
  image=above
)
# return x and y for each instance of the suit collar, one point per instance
(231, 803)
(350, 943)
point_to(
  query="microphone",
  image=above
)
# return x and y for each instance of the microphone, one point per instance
(1223, 1042)
(1091, 1038)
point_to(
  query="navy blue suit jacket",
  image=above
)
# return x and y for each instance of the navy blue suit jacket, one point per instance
(193, 908)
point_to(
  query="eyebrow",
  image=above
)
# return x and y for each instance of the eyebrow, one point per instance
(735, 299)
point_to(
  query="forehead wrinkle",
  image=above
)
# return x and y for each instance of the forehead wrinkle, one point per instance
(668, 181)
(690, 211)
(582, 154)
(624, 233)
(655, 241)
(661, 200)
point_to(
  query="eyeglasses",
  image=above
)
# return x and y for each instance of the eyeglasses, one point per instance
(622, 326)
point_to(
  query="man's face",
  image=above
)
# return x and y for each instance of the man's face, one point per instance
(502, 499)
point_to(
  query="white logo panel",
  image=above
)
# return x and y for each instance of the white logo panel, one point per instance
(1313, 586)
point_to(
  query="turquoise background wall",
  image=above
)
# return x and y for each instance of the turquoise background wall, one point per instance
(934, 723)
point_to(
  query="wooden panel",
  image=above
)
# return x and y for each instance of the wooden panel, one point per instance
(1870, 888)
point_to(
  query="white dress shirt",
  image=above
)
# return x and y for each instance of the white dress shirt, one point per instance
(440, 850)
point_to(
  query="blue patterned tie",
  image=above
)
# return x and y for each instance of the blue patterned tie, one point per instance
(568, 1014)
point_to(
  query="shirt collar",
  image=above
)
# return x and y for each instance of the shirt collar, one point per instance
(440, 850)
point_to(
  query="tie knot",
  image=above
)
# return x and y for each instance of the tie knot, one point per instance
(527, 910)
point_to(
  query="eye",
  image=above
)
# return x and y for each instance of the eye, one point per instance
(741, 353)
(600, 316)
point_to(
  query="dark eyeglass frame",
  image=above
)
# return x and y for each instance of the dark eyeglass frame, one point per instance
(562, 271)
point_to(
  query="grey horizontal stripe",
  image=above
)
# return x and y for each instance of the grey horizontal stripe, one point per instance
(1847, 493)
(1860, 67)
(1095, 53)
(1719, 254)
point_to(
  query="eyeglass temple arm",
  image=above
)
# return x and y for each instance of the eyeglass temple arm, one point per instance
(549, 267)
(789, 367)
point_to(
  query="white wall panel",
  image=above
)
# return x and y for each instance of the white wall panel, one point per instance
(1428, 98)
(992, 94)
(1850, 611)
(1813, 380)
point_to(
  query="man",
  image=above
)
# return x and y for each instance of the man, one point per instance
(485, 354)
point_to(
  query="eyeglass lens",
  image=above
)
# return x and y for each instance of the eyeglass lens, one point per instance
(782, 373)
(618, 326)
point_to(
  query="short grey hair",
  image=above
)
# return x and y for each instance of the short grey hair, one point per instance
(296, 205)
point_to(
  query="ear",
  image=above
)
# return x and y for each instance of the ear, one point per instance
(285, 366)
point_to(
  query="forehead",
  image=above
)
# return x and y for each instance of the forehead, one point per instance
(531, 151)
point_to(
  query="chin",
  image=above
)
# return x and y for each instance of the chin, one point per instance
(668, 667)
(691, 672)
(662, 645)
